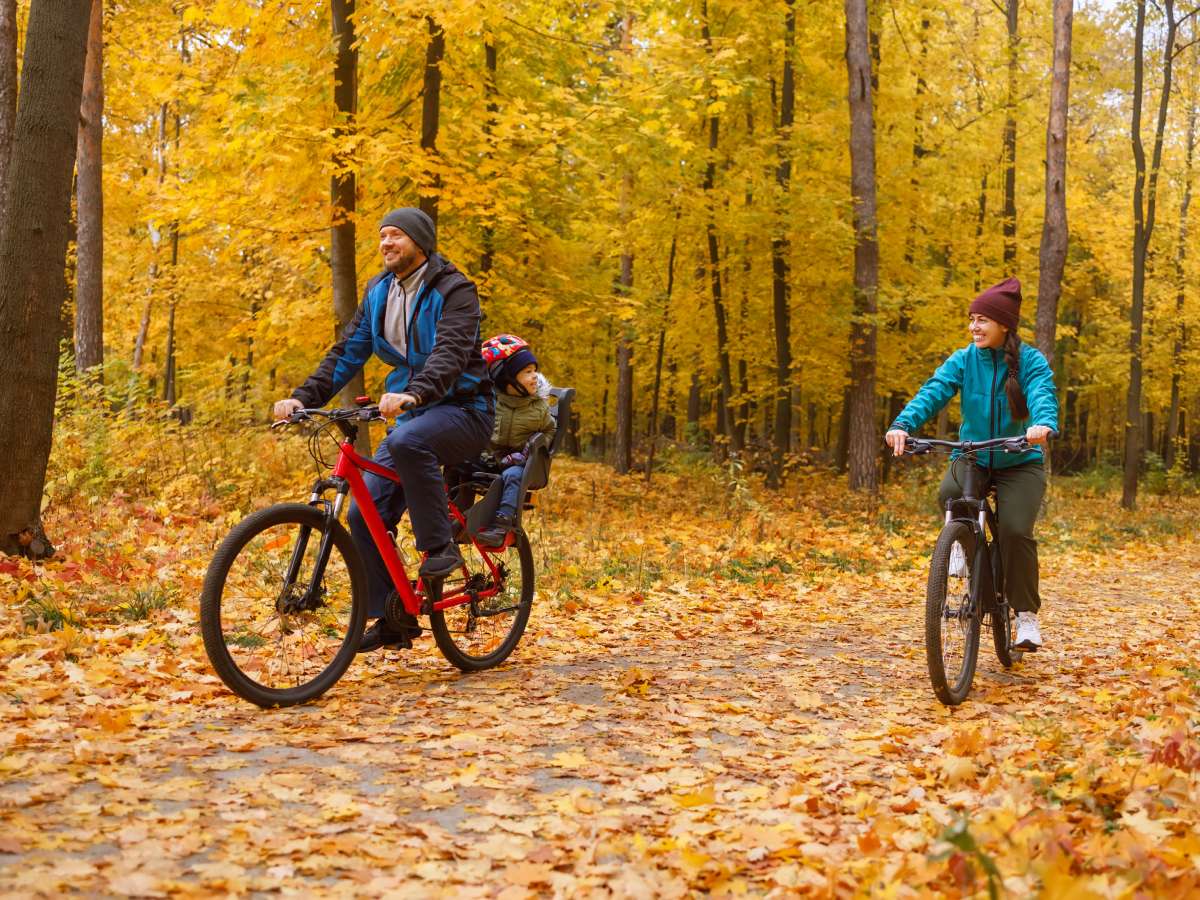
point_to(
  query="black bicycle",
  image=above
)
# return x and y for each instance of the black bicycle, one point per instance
(965, 591)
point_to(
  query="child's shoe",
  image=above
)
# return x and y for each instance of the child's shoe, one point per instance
(496, 533)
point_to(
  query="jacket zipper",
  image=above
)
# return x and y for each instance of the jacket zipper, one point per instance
(410, 346)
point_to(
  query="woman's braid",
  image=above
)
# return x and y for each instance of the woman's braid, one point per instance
(1012, 385)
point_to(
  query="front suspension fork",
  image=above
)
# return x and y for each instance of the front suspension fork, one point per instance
(331, 511)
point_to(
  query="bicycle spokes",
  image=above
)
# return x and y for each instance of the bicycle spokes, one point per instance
(282, 623)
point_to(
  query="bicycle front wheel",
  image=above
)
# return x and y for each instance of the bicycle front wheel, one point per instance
(952, 615)
(283, 605)
(498, 591)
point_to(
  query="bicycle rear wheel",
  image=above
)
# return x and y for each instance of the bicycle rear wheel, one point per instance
(1003, 627)
(952, 616)
(483, 631)
(275, 633)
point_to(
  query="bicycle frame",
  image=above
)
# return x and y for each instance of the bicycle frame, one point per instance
(981, 518)
(347, 477)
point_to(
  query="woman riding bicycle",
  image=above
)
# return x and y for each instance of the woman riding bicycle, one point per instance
(1027, 405)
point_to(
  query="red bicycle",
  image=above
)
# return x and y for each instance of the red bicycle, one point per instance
(284, 600)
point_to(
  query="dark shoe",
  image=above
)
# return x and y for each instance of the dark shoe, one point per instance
(441, 563)
(383, 635)
(496, 533)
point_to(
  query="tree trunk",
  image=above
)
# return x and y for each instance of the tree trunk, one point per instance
(343, 197)
(693, 407)
(744, 434)
(89, 243)
(489, 126)
(652, 431)
(430, 108)
(1172, 436)
(725, 410)
(863, 438)
(1010, 143)
(170, 388)
(1145, 190)
(623, 458)
(33, 250)
(139, 345)
(1053, 254)
(8, 94)
(170, 391)
(169, 394)
(842, 452)
(780, 250)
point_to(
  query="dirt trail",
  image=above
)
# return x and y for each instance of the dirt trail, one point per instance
(784, 739)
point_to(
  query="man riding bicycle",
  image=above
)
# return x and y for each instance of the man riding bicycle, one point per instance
(420, 316)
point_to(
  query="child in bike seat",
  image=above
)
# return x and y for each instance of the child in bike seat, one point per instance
(522, 413)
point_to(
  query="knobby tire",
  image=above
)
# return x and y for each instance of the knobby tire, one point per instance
(951, 688)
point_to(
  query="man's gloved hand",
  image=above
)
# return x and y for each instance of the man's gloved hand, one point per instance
(513, 459)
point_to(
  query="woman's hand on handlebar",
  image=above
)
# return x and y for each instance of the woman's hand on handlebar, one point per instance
(1038, 434)
(394, 404)
(896, 439)
(283, 409)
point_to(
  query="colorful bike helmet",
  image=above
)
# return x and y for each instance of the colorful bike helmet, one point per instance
(505, 355)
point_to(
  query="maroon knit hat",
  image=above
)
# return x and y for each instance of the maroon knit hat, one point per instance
(1000, 303)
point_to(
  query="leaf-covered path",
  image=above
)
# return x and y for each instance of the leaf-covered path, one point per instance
(762, 728)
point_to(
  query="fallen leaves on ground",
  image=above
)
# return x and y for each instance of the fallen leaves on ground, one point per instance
(719, 691)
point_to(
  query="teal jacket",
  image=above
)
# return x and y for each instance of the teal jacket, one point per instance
(980, 375)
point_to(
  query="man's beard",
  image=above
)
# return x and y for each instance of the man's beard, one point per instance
(405, 264)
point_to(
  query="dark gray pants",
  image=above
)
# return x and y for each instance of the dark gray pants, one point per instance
(416, 449)
(1019, 492)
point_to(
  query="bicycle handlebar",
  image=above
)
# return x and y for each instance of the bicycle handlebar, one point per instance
(367, 412)
(914, 446)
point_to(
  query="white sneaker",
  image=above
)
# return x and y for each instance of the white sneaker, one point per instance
(958, 561)
(1029, 636)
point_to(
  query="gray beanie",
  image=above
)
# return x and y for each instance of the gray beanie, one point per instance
(416, 224)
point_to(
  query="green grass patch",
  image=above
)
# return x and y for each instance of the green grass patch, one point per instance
(144, 603)
(39, 610)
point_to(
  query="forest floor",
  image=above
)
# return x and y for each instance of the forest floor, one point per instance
(720, 691)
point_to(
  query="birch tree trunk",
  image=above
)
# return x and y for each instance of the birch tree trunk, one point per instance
(863, 440)
(1173, 416)
(1010, 142)
(1052, 256)
(89, 242)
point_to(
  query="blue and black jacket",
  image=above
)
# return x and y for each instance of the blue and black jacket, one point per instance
(442, 363)
(980, 376)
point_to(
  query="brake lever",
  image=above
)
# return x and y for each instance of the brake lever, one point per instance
(294, 419)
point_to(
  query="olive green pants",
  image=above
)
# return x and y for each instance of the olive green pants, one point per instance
(1019, 491)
